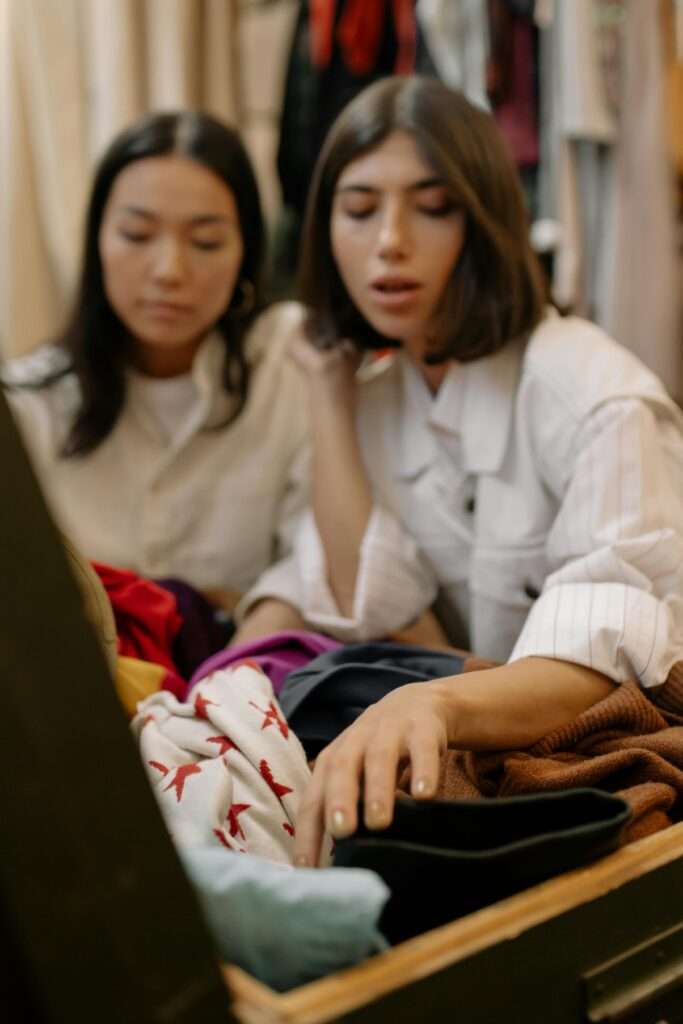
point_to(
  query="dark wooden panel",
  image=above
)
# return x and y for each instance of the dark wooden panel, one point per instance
(537, 977)
(101, 921)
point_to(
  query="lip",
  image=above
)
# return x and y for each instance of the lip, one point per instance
(166, 310)
(394, 292)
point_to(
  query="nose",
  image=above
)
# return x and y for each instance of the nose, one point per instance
(168, 261)
(393, 240)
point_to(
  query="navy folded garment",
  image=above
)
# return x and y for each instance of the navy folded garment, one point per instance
(445, 858)
(325, 696)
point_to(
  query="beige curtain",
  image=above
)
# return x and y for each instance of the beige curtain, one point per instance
(72, 74)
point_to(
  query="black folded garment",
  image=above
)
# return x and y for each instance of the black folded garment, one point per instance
(445, 858)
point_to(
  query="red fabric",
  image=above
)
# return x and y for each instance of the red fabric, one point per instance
(359, 33)
(147, 620)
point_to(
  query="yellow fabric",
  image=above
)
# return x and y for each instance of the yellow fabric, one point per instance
(96, 603)
(135, 679)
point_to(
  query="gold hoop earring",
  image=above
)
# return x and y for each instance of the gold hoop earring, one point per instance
(247, 300)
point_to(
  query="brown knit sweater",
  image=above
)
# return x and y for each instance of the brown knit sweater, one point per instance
(630, 744)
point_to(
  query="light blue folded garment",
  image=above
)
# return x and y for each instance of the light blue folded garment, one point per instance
(286, 926)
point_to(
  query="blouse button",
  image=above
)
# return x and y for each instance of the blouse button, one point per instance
(470, 504)
(531, 592)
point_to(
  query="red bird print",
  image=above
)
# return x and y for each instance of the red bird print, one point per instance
(278, 788)
(220, 835)
(224, 743)
(288, 828)
(272, 718)
(201, 704)
(159, 767)
(235, 827)
(180, 778)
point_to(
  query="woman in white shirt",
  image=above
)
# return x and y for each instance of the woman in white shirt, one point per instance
(520, 467)
(164, 423)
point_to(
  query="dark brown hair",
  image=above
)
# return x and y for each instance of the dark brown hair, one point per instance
(94, 338)
(497, 290)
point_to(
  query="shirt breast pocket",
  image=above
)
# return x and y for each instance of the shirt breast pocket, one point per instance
(504, 583)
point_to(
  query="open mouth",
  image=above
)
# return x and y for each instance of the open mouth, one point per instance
(394, 293)
(394, 286)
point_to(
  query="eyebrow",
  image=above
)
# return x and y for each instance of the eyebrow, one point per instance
(202, 218)
(418, 186)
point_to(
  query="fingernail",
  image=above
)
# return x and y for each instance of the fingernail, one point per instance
(338, 823)
(301, 861)
(420, 787)
(376, 814)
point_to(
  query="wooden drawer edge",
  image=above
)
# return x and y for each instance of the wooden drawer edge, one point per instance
(325, 999)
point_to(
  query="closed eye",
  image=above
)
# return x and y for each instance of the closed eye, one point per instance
(442, 210)
(359, 212)
(134, 236)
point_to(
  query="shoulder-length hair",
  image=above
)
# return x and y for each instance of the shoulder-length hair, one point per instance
(94, 337)
(496, 291)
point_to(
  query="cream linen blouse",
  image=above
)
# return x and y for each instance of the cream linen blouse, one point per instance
(215, 507)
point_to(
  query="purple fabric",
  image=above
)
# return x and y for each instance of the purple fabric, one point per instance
(277, 654)
(203, 631)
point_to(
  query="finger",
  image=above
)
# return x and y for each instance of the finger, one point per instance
(310, 822)
(425, 748)
(381, 768)
(344, 769)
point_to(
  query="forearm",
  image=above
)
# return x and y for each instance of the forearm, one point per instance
(514, 705)
(341, 496)
(268, 616)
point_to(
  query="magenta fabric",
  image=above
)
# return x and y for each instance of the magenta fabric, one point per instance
(277, 654)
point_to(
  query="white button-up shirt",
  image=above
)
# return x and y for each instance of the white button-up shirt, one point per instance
(214, 505)
(539, 496)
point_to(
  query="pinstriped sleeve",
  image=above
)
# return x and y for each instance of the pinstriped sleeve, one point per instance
(393, 587)
(613, 599)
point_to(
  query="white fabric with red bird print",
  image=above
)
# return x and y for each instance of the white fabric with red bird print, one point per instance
(226, 768)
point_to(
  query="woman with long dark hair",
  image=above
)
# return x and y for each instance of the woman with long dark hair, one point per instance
(164, 424)
(517, 467)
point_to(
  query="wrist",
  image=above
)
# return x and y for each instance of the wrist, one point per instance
(447, 708)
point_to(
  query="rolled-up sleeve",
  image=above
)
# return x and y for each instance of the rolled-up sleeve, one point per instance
(394, 583)
(613, 599)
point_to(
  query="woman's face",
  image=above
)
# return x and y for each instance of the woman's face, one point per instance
(396, 237)
(171, 251)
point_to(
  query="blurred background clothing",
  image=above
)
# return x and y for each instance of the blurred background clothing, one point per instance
(588, 94)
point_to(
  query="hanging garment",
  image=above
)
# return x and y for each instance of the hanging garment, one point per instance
(457, 39)
(277, 655)
(323, 698)
(338, 48)
(359, 29)
(512, 84)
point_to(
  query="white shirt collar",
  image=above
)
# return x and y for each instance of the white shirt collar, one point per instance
(474, 403)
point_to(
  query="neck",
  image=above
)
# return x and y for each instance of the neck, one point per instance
(433, 376)
(156, 361)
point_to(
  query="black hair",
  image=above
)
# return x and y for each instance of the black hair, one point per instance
(94, 336)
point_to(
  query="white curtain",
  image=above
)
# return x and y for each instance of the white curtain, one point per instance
(72, 74)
